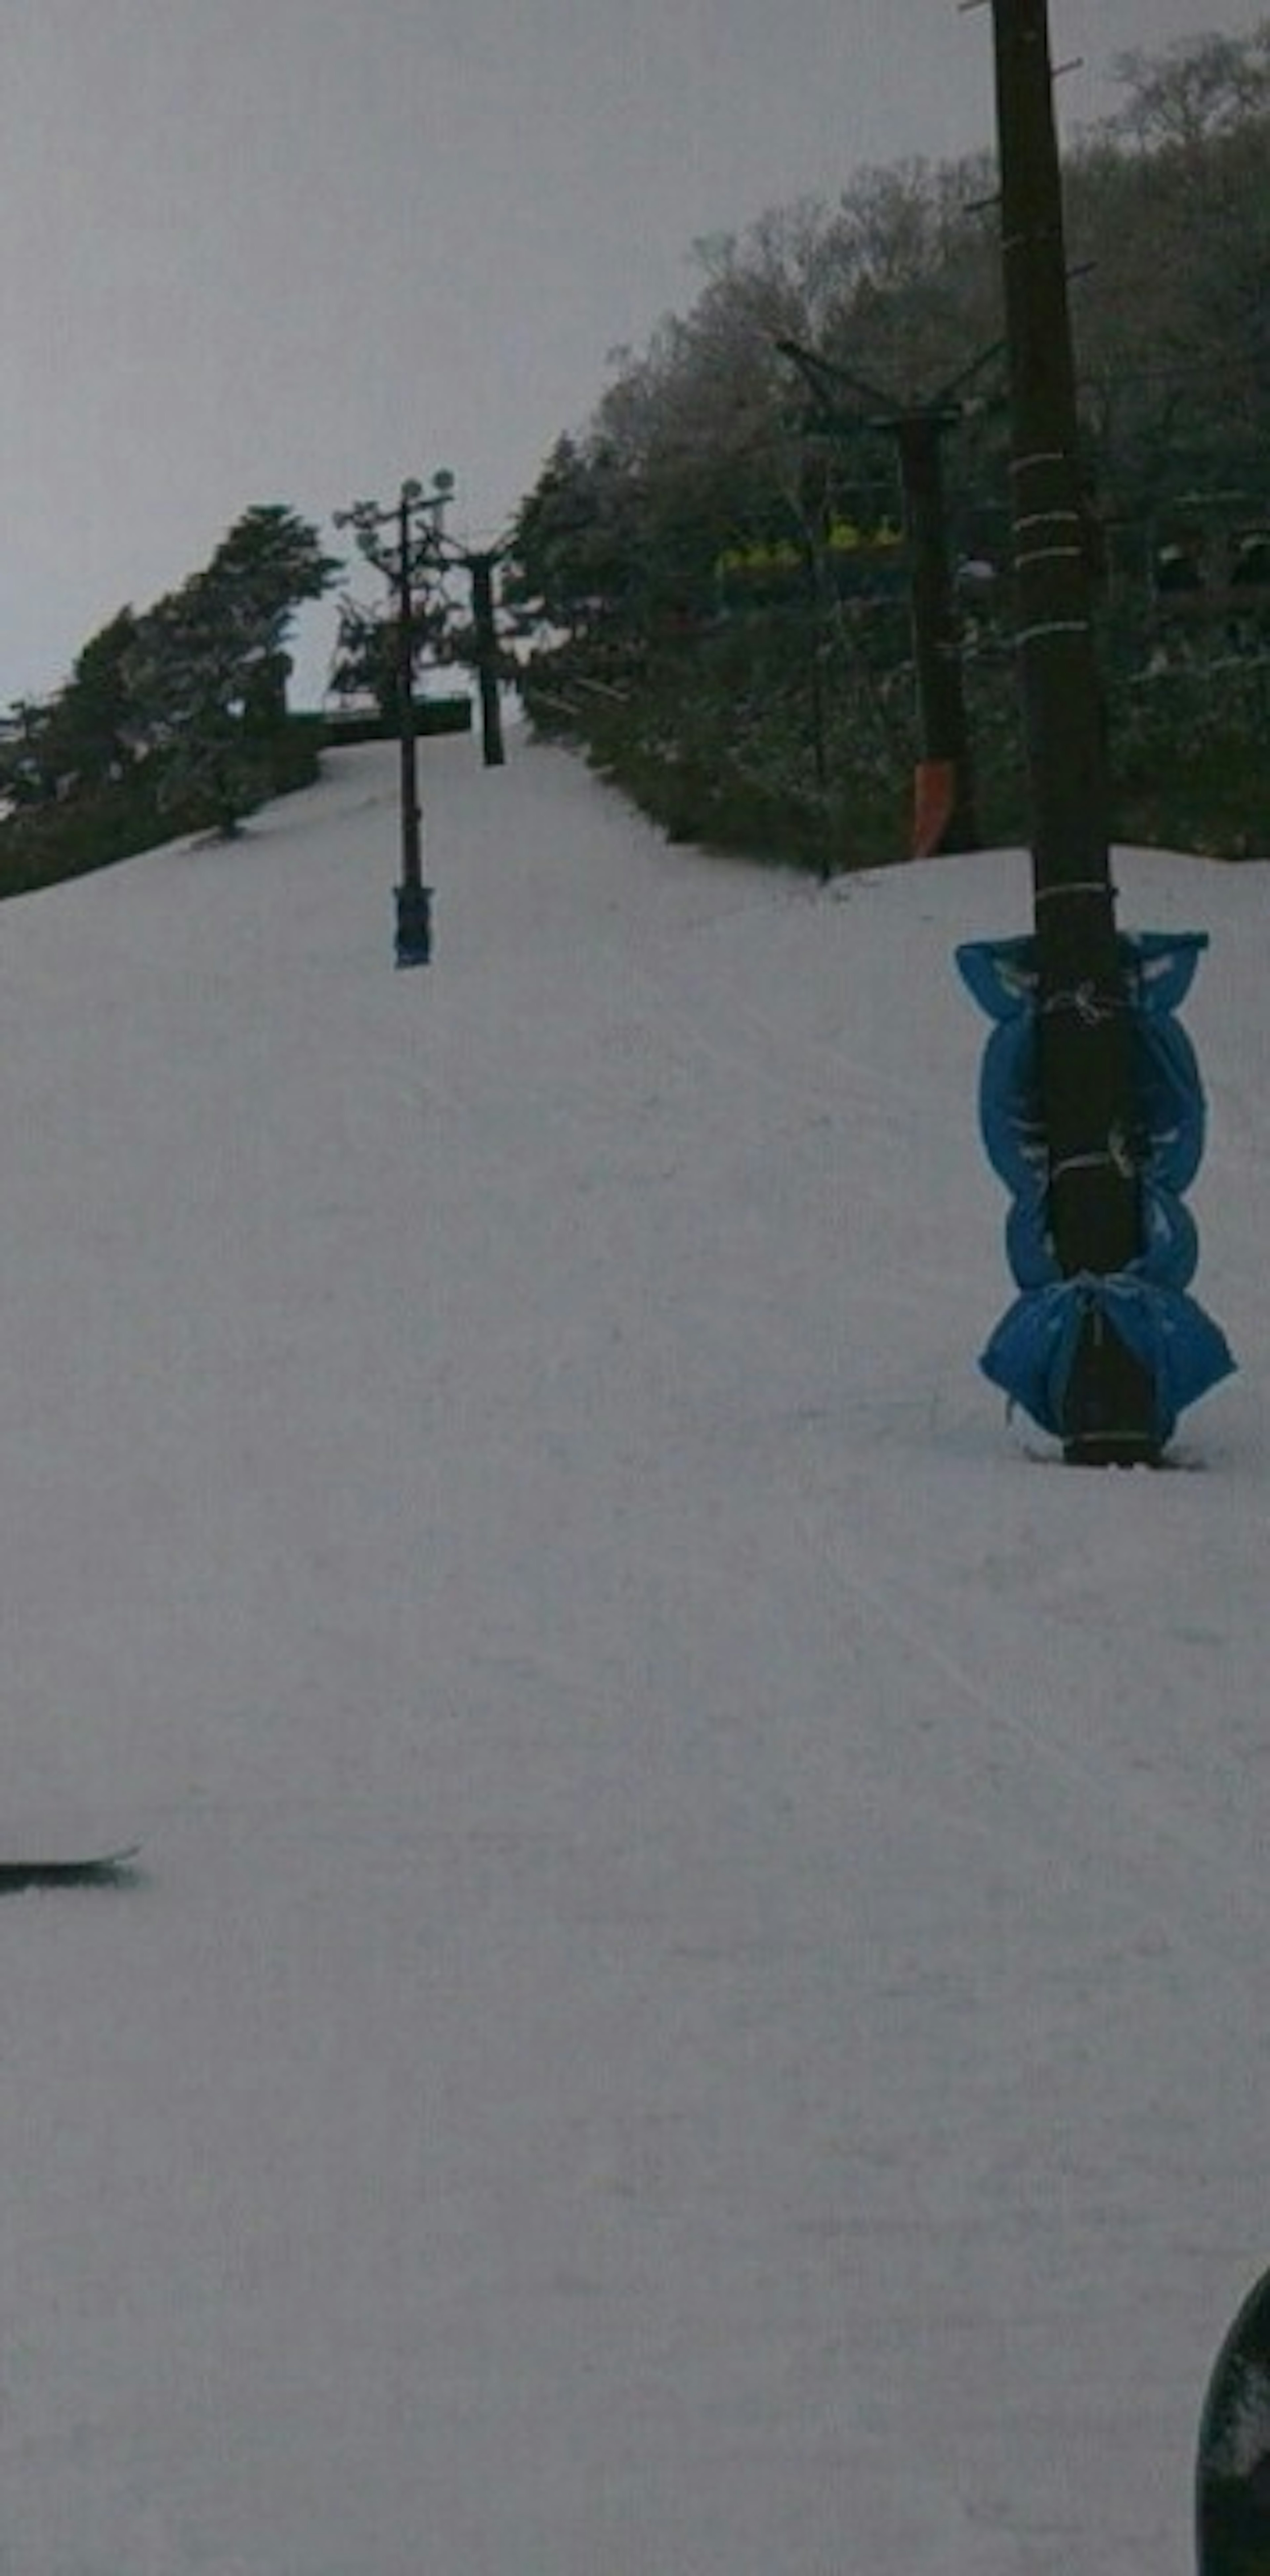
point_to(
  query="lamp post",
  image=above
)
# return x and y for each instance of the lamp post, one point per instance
(416, 521)
(417, 511)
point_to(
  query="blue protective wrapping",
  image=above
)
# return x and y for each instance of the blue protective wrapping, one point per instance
(1032, 1350)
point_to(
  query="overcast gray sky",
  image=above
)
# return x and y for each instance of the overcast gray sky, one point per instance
(293, 250)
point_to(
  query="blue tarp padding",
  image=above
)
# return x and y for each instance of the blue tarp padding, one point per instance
(1170, 1251)
(1167, 1090)
(1158, 967)
(1032, 1351)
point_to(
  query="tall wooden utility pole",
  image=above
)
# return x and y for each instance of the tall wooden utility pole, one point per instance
(1086, 1069)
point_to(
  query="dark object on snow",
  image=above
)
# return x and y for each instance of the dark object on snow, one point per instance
(66, 1869)
(1232, 2478)
(414, 925)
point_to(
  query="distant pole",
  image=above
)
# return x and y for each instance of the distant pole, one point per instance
(416, 522)
(817, 587)
(944, 734)
(411, 820)
(1085, 1066)
(414, 898)
(481, 567)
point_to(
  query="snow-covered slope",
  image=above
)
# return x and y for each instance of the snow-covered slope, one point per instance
(695, 2001)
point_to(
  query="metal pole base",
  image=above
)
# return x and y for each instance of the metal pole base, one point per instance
(414, 925)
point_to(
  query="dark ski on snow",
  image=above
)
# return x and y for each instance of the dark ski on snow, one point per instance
(91, 1869)
(67, 1850)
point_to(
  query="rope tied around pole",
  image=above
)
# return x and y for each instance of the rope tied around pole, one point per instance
(1044, 519)
(1049, 554)
(1053, 626)
(1117, 1155)
(1091, 1007)
(1076, 886)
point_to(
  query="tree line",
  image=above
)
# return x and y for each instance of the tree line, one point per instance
(177, 719)
(172, 717)
(709, 578)
(721, 612)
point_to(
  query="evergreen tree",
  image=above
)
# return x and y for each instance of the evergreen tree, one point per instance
(369, 658)
(90, 732)
(207, 672)
(368, 655)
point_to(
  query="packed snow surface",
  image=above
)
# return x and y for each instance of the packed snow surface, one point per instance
(695, 2002)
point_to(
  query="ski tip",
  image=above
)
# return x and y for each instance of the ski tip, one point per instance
(78, 1869)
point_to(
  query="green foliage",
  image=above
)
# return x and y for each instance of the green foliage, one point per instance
(1189, 756)
(376, 645)
(208, 671)
(42, 845)
(774, 734)
(368, 654)
(176, 720)
(579, 541)
(80, 738)
(757, 723)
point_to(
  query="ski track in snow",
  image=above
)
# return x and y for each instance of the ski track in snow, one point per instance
(692, 2001)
